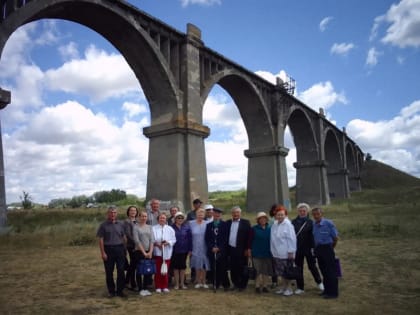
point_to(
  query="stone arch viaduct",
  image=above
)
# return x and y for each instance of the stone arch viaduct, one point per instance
(177, 72)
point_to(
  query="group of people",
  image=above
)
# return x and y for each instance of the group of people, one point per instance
(219, 252)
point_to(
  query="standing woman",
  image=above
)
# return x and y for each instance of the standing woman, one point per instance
(182, 249)
(144, 239)
(199, 260)
(129, 223)
(260, 252)
(164, 241)
(305, 247)
(283, 246)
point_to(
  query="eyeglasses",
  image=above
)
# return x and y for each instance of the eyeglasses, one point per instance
(179, 218)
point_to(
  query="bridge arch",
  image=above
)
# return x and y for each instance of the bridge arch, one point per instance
(249, 102)
(124, 33)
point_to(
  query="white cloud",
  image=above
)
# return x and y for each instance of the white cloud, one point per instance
(134, 109)
(324, 23)
(342, 48)
(99, 75)
(372, 57)
(68, 150)
(270, 77)
(404, 20)
(322, 95)
(69, 51)
(395, 142)
(186, 3)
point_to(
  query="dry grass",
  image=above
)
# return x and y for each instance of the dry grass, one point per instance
(40, 273)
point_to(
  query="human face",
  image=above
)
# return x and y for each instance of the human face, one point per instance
(317, 215)
(173, 211)
(303, 212)
(162, 219)
(209, 213)
(200, 215)
(155, 205)
(132, 212)
(179, 219)
(216, 215)
(262, 221)
(280, 216)
(143, 217)
(112, 214)
(236, 214)
(196, 205)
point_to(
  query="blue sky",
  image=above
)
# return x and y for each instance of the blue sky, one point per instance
(75, 123)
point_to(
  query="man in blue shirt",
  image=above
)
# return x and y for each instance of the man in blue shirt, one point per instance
(326, 237)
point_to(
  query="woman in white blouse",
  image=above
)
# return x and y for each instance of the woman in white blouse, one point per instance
(283, 246)
(165, 239)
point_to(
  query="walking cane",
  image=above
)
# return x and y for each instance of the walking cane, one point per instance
(214, 272)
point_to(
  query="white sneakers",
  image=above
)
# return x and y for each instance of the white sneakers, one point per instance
(321, 286)
(205, 286)
(145, 293)
(198, 286)
(288, 292)
(166, 290)
(299, 291)
(158, 291)
(284, 292)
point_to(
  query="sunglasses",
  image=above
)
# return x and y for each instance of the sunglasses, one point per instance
(179, 218)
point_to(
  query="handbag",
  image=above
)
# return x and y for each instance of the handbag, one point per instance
(249, 270)
(164, 267)
(291, 271)
(146, 267)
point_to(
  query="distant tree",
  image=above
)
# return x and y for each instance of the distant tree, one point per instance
(109, 196)
(59, 203)
(368, 157)
(26, 200)
(78, 201)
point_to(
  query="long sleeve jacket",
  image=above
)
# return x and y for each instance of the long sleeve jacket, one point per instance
(282, 239)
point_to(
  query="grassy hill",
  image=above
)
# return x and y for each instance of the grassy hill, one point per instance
(376, 175)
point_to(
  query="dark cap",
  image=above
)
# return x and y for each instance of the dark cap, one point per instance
(197, 201)
(217, 210)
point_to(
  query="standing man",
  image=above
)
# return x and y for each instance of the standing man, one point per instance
(153, 212)
(305, 246)
(326, 237)
(196, 205)
(216, 237)
(112, 245)
(239, 232)
(209, 213)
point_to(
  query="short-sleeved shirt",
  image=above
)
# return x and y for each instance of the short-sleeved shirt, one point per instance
(112, 233)
(324, 232)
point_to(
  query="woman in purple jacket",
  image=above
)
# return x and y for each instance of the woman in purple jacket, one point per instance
(182, 249)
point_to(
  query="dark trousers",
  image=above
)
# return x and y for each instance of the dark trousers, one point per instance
(301, 254)
(218, 273)
(326, 261)
(130, 276)
(237, 263)
(116, 257)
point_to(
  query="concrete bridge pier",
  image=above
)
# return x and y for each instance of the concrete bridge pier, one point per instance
(177, 166)
(338, 183)
(4, 101)
(311, 183)
(267, 178)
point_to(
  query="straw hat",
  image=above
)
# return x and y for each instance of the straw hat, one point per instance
(180, 214)
(261, 214)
